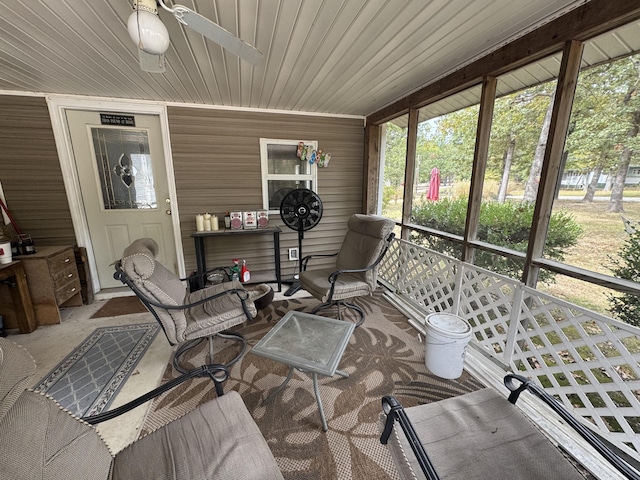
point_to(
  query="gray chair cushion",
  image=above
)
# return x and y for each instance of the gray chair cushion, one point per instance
(218, 441)
(218, 314)
(38, 439)
(16, 369)
(158, 283)
(316, 282)
(479, 435)
(363, 243)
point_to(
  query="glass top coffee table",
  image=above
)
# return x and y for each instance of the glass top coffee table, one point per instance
(308, 343)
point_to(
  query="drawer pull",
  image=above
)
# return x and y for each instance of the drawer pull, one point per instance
(67, 260)
(73, 289)
(70, 275)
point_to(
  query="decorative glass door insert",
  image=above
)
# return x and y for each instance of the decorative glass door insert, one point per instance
(124, 169)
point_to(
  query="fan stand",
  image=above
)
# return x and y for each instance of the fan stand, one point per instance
(295, 283)
(300, 209)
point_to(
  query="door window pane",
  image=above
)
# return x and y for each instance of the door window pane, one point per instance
(124, 168)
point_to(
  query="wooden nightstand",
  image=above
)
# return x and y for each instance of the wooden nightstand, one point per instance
(52, 276)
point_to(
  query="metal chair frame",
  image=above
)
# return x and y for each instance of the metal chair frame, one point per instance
(335, 275)
(151, 305)
(516, 385)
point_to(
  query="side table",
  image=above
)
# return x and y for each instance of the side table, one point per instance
(19, 295)
(200, 237)
(308, 343)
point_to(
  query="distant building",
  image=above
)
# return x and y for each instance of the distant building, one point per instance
(579, 180)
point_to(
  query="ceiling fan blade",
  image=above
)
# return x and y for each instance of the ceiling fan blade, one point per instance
(151, 63)
(217, 34)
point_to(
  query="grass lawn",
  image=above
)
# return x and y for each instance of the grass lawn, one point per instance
(601, 241)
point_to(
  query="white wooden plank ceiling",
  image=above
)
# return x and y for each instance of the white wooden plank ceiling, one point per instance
(330, 56)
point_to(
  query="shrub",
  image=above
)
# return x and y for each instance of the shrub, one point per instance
(626, 306)
(507, 225)
(388, 193)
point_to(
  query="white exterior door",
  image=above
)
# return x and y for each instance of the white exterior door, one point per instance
(125, 193)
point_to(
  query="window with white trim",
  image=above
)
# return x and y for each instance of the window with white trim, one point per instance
(283, 169)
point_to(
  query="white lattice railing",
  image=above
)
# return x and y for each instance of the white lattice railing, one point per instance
(588, 361)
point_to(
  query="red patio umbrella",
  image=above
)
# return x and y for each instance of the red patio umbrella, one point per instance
(434, 185)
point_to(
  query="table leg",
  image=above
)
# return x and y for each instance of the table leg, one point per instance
(317, 391)
(276, 248)
(279, 389)
(201, 262)
(22, 301)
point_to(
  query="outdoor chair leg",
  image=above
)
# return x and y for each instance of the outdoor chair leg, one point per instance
(351, 306)
(185, 347)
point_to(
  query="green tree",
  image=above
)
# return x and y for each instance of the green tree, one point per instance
(596, 132)
(629, 114)
(626, 306)
(517, 123)
(447, 143)
(395, 154)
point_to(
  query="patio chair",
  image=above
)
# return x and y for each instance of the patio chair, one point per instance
(356, 269)
(188, 318)
(483, 435)
(39, 439)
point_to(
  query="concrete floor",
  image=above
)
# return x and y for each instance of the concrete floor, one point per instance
(49, 345)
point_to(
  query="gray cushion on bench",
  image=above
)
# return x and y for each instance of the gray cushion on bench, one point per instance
(479, 435)
(218, 440)
(40, 440)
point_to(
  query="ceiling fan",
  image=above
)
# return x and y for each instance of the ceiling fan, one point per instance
(152, 38)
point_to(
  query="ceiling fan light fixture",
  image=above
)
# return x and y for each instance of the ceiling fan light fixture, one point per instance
(147, 30)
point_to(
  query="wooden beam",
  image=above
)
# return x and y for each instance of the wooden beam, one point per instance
(586, 21)
(481, 156)
(370, 190)
(410, 169)
(551, 165)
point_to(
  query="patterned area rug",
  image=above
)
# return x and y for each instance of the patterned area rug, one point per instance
(88, 379)
(384, 357)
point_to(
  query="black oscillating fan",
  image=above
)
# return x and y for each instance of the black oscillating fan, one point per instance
(300, 210)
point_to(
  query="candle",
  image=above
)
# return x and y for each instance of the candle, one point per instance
(199, 222)
(214, 223)
(207, 222)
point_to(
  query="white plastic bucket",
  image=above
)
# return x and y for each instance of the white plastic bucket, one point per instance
(5, 253)
(447, 337)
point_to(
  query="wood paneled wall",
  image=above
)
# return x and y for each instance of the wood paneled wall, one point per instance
(216, 155)
(30, 171)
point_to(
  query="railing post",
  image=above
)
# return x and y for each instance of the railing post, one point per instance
(514, 320)
(458, 287)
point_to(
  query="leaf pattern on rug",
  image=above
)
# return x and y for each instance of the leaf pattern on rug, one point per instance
(384, 356)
